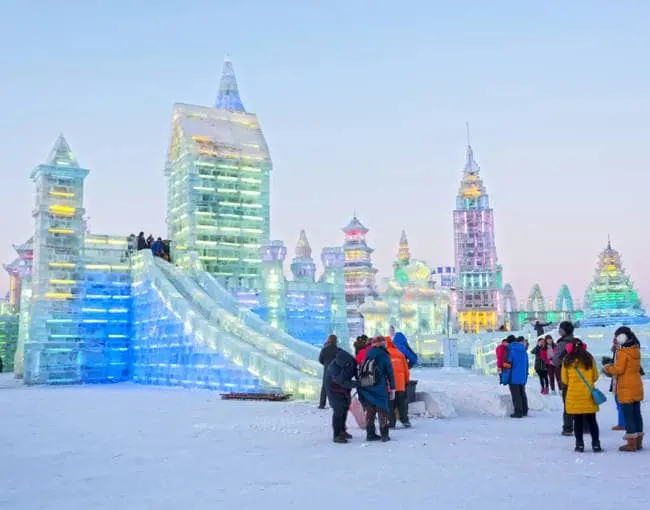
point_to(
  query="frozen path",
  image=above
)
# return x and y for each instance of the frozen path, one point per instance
(143, 448)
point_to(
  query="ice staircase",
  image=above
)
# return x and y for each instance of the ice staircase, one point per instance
(184, 335)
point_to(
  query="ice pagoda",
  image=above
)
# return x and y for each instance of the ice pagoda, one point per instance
(611, 298)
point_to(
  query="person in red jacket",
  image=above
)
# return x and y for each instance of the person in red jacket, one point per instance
(502, 354)
(402, 377)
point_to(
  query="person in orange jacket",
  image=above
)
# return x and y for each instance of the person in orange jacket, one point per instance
(402, 377)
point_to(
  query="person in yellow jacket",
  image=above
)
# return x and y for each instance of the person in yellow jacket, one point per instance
(629, 386)
(579, 364)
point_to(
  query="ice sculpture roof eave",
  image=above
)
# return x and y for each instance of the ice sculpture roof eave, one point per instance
(355, 224)
(240, 131)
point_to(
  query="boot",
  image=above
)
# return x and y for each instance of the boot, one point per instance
(639, 441)
(630, 443)
(384, 434)
(596, 448)
(346, 434)
(340, 439)
(618, 427)
(371, 434)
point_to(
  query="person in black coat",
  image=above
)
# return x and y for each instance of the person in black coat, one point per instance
(141, 242)
(338, 385)
(327, 355)
(539, 328)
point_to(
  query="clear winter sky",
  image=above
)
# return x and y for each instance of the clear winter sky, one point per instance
(363, 104)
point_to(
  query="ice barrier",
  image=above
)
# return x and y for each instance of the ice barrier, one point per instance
(183, 337)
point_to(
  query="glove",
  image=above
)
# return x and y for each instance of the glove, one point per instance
(391, 394)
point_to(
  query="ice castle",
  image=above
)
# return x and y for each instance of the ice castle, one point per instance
(85, 308)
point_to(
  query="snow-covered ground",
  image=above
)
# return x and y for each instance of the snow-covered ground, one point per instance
(146, 448)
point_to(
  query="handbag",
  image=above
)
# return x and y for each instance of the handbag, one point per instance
(597, 396)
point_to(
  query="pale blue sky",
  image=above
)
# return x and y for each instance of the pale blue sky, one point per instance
(363, 104)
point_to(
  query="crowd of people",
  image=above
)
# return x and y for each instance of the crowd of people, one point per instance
(158, 246)
(380, 374)
(568, 363)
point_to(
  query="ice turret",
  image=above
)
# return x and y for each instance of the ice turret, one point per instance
(228, 97)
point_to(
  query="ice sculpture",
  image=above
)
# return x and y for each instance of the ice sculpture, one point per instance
(217, 173)
(359, 273)
(79, 309)
(478, 304)
(182, 336)
(611, 298)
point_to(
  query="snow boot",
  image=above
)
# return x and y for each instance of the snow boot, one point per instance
(516, 415)
(596, 448)
(580, 448)
(384, 434)
(340, 440)
(371, 434)
(406, 424)
(630, 443)
(639, 441)
(346, 434)
(618, 427)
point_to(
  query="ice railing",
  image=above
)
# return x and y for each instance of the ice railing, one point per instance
(211, 335)
(233, 324)
(228, 302)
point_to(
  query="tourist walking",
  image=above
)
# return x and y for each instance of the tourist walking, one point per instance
(399, 405)
(339, 381)
(553, 375)
(376, 388)
(515, 375)
(541, 365)
(565, 331)
(327, 355)
(579, 374)
(629, 386)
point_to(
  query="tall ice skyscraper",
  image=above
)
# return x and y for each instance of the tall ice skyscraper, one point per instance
(477, 303)
(217, 172)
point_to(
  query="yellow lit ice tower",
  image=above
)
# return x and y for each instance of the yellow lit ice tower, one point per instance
(218, 186)
(477, 303)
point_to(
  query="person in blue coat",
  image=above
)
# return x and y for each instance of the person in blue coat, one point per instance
(378, 370)
(402, 344)
(515, 375)
(339, 382)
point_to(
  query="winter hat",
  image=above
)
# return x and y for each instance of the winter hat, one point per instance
(567, 327)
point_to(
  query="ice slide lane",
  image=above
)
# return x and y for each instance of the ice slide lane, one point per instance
(273, 362)
(227, 301)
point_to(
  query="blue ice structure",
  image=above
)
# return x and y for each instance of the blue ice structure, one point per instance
(96, 312)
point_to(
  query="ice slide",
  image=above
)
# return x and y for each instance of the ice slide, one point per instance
(184, 335)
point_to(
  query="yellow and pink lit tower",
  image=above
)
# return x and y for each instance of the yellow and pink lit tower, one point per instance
(477, 302)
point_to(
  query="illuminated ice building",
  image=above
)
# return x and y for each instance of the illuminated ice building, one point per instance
(410, 302)
(478, 276)
(93, 311)
(306, 308)
(360, 275)
(611, 299)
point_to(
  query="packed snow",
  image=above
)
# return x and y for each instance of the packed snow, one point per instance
(147, 448)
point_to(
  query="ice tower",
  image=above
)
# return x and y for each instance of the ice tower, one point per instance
(333, 276)
(403, 252)
(478, 298)
(51, 355)
(359, 273)
(217, 172)
(611, 298)
(273, 307)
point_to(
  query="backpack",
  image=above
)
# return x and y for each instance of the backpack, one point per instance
(368, 373)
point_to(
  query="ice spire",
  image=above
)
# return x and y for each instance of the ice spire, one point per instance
(403, 253)
(228, 97)
(303, 248)
(61, 154)
(471, 167)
